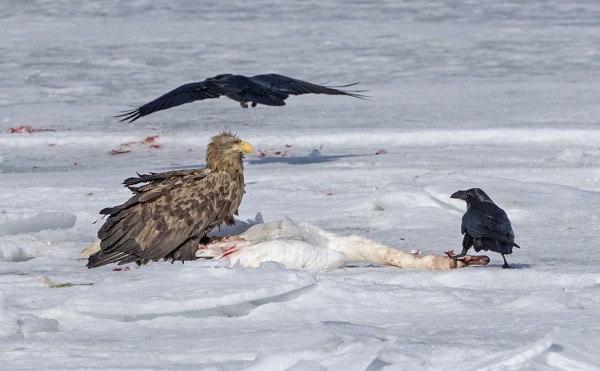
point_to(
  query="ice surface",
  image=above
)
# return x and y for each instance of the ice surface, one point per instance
(140, 297)
(561, 349)
(16, 224)
(500, 95)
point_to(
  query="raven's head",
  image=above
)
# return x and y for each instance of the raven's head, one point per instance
(220, 77)
(472, 195)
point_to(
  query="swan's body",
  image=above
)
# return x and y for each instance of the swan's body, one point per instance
(299, 245)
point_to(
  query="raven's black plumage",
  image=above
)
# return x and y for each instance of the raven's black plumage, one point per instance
(485, 226)
(270, 90)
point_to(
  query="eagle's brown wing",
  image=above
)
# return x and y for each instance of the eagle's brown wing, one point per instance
(167, 217)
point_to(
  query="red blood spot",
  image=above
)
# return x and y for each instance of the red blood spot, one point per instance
(21, 129)
(150, 139)
(26, 129)
(52, 145)
(229, 251)
(329, 193)
(288, 145)
(261, 154)
(380, 152)
(449, 252)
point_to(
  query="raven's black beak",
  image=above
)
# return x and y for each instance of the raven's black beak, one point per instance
(461, 195)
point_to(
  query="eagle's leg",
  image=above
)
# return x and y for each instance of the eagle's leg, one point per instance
(505, 262)
(244, 104)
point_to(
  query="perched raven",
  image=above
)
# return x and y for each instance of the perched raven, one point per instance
(270, 90)
(485, 225)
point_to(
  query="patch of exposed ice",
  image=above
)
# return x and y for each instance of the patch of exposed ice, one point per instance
(34, 222)
(190, 290)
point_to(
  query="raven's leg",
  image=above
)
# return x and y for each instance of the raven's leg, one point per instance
(467, 243)
(244, 104)
(254, 104)
(505, 263)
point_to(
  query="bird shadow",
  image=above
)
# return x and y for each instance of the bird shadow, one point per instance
(304, 160)
(513, 266)
(521, 266)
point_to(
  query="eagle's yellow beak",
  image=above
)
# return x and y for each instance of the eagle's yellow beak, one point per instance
(244, 147)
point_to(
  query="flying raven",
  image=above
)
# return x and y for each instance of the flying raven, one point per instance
(485, 225)
(270, 90)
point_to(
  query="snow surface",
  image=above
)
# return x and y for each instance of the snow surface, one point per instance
(499, 95)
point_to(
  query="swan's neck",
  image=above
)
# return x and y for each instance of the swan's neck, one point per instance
(359, 249)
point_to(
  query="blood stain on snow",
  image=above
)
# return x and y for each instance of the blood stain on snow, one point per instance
(118, 151)
(149, 141)
(26, 129)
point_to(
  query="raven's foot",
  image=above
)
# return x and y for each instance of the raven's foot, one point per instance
(455, 258)
(505, 266)
(244, 104)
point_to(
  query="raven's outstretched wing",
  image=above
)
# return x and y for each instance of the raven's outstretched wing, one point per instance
(286, 85)
(186, 93)
(269, 89)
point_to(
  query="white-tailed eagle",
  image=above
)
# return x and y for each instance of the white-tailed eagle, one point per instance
(168, 216)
